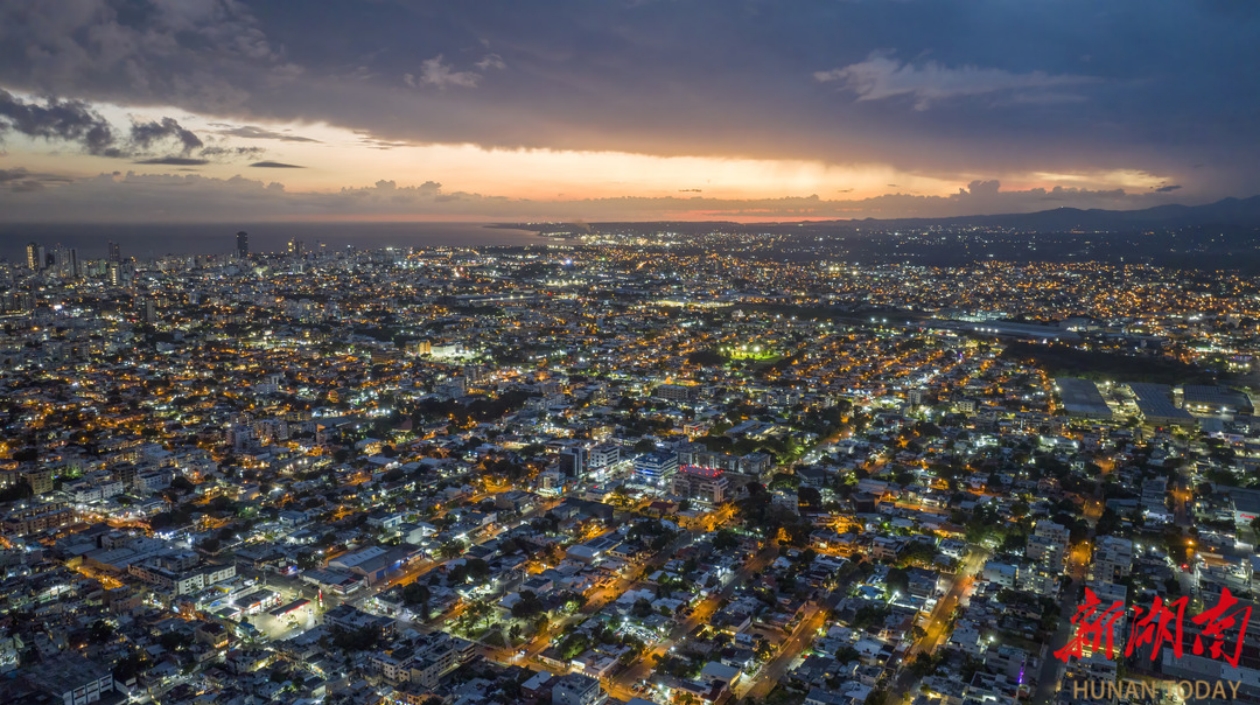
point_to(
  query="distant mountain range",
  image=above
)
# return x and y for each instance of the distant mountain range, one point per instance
(1243, 212)
(1229, 211)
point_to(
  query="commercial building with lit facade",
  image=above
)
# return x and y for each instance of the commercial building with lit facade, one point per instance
(700, 483)
(656, 469)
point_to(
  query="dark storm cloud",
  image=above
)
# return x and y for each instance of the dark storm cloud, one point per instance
(251, 132)
(19, 180)
(58, 120)
(145, 134)
(21, 173)
(206, 56)
(228, 153)
(931, 86)
(75, 122)
(1168, 189)
(174, 161)
(276, 165)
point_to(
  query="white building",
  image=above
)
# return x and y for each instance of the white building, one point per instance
(1048, 546)
(576, 689)
(1113, 559)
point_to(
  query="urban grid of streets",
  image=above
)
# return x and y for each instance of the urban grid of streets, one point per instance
(647, 472)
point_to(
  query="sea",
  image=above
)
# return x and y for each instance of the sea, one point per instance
(150, 241)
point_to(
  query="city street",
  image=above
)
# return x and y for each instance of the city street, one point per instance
(620, 685)
(937, 630)
(802, 636)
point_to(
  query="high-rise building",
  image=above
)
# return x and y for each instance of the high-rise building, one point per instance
(295, 247)
(1113, 559)
(65, 262)
(573, 462)
(115, 254)
(1048, 545)
(242, 244)
(34, 258)
(115, 276)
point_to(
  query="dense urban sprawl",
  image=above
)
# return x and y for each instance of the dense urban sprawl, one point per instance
(610, 469)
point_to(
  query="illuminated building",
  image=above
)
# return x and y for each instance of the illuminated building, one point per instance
(1048, 545)
(576, 689)
(22, 522)
(675, 392)
(656, 468)
(705, 484)
(603, 455)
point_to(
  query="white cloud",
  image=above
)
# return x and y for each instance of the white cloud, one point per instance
(490, 61)
(881, 76)
(435, 72)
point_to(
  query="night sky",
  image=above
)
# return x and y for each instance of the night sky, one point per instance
(212, 110)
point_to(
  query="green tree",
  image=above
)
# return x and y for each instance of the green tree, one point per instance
(451, 549)
(641, 608)
(846, 654)
(417, 596)
(527, 606)
(725, 540)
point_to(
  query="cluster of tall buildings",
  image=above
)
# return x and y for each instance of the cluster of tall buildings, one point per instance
(295, 247)
(63, 262)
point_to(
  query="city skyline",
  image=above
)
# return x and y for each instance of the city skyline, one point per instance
(630, 467)
(630, 352)
(206, 112)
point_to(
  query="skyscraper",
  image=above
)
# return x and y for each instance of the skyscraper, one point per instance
(295, 247)
(60, 261)
(115, 254)
(34, 259)
(242, 244)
